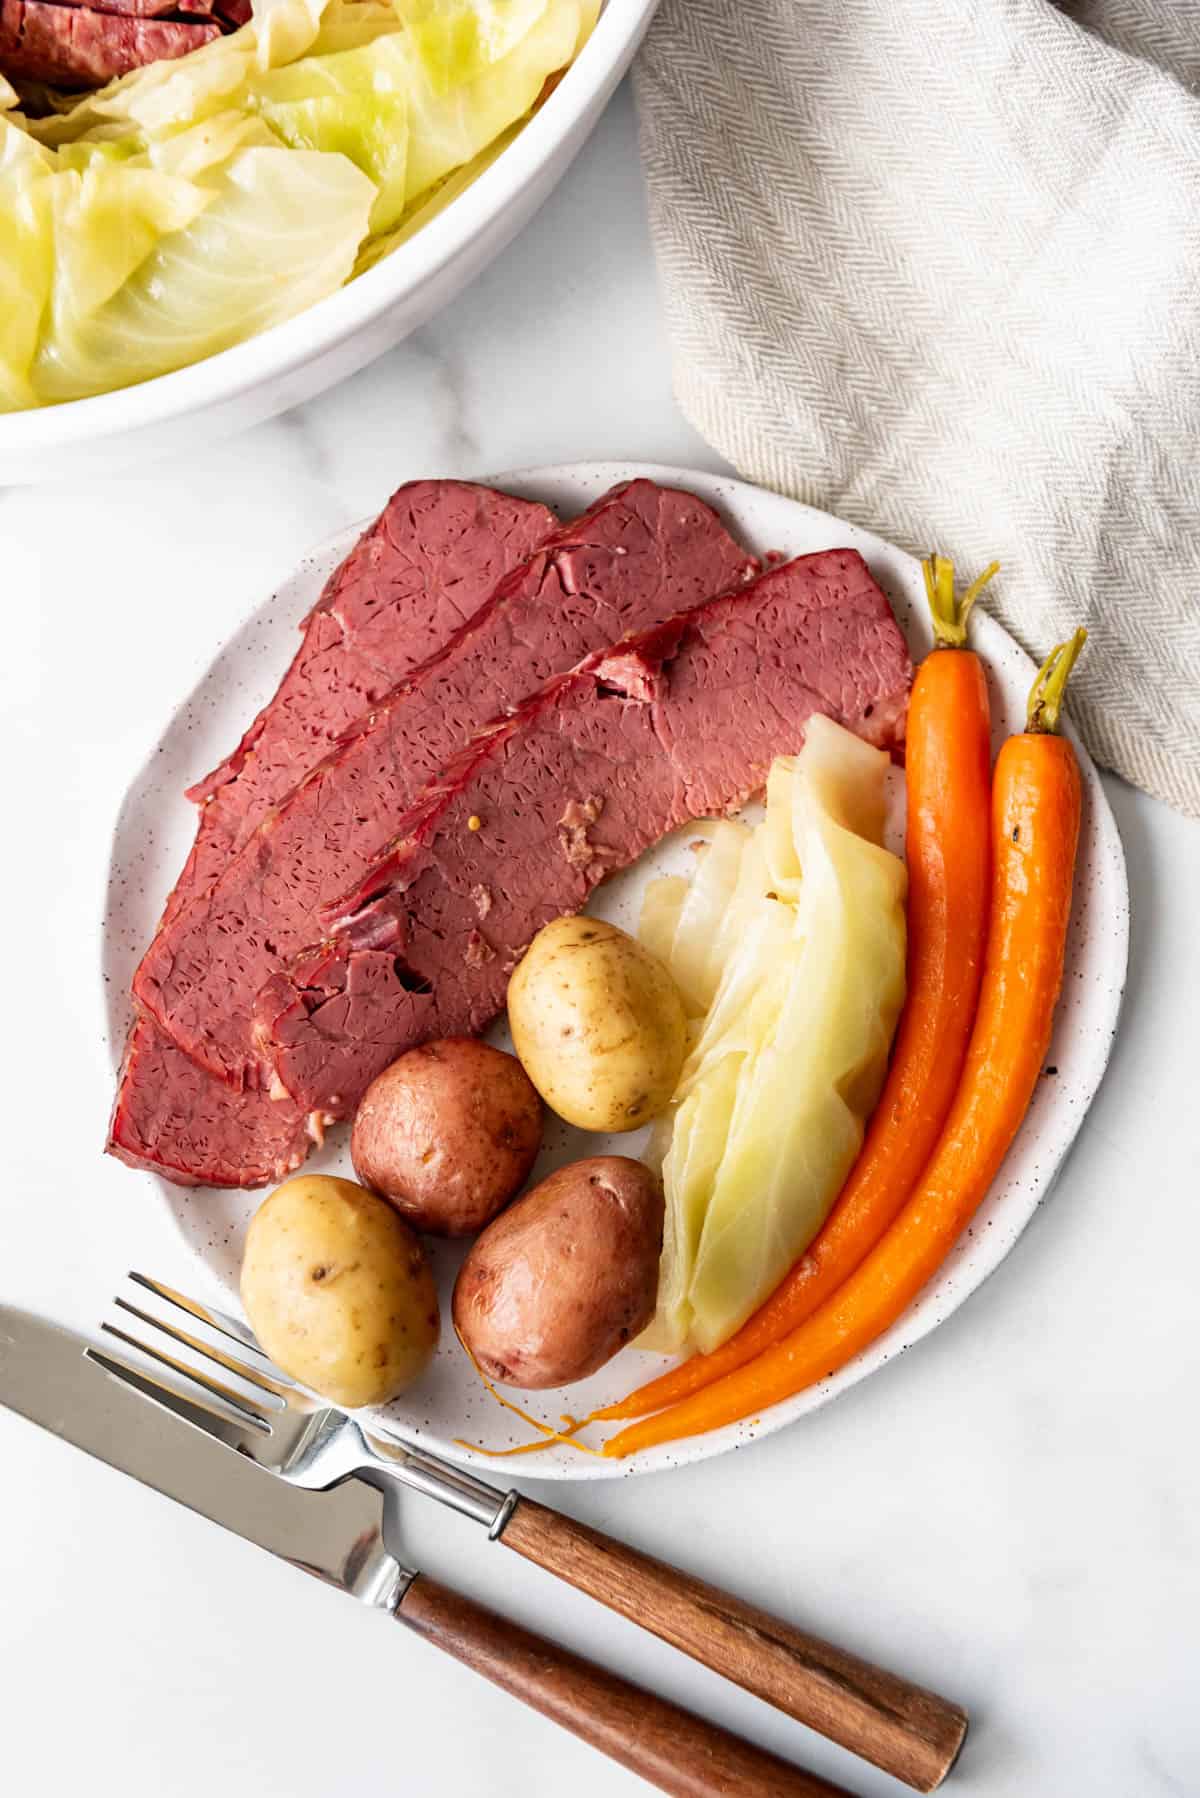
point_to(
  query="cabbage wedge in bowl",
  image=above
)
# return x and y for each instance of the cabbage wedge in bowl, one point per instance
(194, 203)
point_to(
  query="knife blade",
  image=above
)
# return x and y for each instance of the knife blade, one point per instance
(337, 1536)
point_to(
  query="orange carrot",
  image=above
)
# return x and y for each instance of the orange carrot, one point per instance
(948, 853)
(1035, 831)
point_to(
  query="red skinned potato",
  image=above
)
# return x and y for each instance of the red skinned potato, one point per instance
(448, 1134)
(565, 1277)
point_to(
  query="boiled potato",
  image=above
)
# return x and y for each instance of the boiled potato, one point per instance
(338, 1291)
(598, 1024)
(448, 1134)
(565, 1277)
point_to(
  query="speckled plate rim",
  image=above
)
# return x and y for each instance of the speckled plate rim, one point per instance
(153, 830)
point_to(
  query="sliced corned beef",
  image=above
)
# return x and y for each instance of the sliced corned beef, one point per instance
(639, 555)
(172, 1118)
(142, 9)
(76, 47)
(436, 552)
(679, 724)
(429, 560)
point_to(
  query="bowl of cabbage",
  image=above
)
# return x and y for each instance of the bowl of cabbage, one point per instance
(207, 242)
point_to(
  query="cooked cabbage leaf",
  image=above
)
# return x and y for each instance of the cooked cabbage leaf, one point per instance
(106, 220)
(448, 128)
(417, 216)
(26, 267)
(662, 903)
(280, 231)
(694, 1148)
(457, 40)
(773, 1100)
(354, 102)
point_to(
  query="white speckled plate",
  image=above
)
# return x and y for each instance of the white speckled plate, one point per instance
(154, 831)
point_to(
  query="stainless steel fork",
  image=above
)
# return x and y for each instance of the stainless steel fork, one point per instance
(908, 1731)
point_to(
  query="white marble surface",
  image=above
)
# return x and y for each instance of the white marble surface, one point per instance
(1009, 1513)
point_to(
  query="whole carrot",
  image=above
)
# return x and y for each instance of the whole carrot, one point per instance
(1035, 833)
(949, 856)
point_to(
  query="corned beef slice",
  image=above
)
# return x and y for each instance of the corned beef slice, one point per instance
(430, 559)
(639, 555)
(177, 1120)
(436, 552)
(142, 9)
(679, 724)
(76, 47)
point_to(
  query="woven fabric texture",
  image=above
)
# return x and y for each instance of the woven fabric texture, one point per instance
(935, 266)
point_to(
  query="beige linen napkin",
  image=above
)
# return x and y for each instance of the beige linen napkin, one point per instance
(935, 265)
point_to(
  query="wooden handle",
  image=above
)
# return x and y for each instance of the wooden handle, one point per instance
(909, 1732)
(674, 1750)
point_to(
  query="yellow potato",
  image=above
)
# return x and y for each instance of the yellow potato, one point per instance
(598, 1024)
(338, 1291)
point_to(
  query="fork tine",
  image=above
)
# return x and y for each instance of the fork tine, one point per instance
(252, 1375)
(192, 1411)
(208, 1314)
(226, 1394)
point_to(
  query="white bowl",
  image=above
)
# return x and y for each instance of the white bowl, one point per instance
(289, 364)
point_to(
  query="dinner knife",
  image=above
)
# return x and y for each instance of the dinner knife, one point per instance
(338, 1537)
